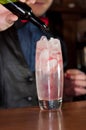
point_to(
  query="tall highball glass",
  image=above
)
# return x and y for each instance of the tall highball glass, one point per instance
(49, 73)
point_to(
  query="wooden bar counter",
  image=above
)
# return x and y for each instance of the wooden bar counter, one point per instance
(71, 117)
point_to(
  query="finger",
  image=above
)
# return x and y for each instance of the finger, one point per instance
(22, 0)
(2, 9)
(78, 77)
(80, 83)
(80, 91)
(74, 71)
(75, 75)
(11, 18)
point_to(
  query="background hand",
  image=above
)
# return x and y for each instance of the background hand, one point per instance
(75, 82)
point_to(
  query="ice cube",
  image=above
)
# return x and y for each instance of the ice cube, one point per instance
(44, 54)
(53, 65)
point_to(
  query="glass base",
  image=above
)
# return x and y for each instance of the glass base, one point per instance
(50, 105)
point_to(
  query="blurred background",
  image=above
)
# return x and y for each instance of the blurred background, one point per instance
(69, 22)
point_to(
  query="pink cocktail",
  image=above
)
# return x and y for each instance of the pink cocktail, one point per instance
(49, 73)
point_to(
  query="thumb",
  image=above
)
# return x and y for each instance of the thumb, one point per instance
(11, 18)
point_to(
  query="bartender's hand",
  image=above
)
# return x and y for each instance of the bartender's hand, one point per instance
(7, 18)
(75, 83)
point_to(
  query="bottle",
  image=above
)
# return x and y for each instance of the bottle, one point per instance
(24, 12)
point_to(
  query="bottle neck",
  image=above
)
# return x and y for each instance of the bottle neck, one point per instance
(24, 12)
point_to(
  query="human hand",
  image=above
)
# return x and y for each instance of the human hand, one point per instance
(75, 83)
(7, 18)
